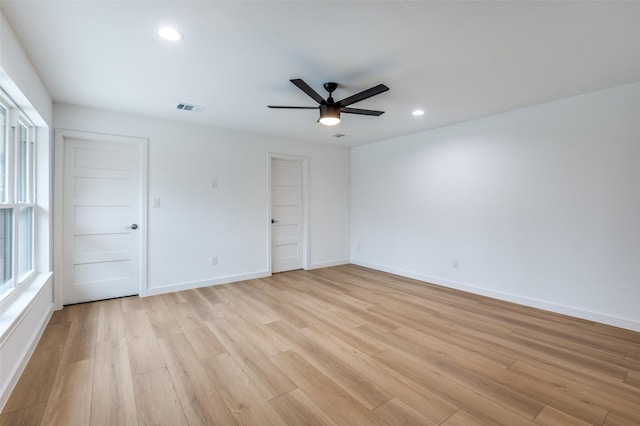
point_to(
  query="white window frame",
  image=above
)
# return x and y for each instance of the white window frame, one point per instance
(17, 120)
(6, 287)
(29, 201)
(7, 137)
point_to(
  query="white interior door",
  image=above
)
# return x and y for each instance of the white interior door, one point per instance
(286, 215)
(102, 218)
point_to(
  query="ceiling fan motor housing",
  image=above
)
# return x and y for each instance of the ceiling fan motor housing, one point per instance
(330, 110)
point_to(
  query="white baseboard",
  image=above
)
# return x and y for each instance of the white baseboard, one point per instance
(205, 283)
(231, 279)
(318, 265)
(573, 311)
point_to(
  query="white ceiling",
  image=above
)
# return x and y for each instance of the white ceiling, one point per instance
(455, 60)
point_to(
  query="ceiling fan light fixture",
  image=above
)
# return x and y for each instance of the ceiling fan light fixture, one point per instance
(329, 115)
(329, 121)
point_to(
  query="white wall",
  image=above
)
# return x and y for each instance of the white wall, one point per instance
(195, 222)
(20, 79)
(26, 311)
(539, 206)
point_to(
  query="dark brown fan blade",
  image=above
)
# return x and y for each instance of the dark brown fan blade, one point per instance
(308, 90)
(361, 111)
(363, 95)
(290, 107)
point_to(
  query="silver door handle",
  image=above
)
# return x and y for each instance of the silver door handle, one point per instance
(274, 221)
(134, 226)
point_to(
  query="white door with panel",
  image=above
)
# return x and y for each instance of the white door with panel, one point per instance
(286, 215)
(102, 217)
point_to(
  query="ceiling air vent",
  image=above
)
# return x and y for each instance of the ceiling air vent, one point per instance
(183, 106)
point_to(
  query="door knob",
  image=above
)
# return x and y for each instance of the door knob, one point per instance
(274, 221)
(134, 226)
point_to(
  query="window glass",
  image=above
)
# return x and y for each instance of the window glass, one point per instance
(4, 129)
(22, 194)
(25, 241)
(6, 260)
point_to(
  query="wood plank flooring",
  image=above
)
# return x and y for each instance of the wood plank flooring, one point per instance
(335, 346)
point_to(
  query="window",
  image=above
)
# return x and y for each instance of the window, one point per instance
(25, 242)
(6, 220)
(6, 261)
(16, 197)
(22, 166)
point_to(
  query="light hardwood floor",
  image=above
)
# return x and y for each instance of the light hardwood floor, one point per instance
(343, 345)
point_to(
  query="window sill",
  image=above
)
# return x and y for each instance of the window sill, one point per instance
(17, 304)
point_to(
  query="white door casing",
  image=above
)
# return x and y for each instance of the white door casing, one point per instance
(103, 218)
(288, 230)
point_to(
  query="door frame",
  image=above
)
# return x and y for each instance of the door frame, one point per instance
(61, 136)
(305, 207)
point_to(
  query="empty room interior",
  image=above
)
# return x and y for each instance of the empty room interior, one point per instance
(319, 212)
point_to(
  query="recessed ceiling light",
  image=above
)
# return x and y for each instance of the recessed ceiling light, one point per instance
(170, 34)
(417, 112)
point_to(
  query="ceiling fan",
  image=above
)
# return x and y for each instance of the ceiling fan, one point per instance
(329, 109)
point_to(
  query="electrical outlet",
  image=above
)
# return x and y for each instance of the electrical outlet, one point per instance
(214, 260)
(358, 247)
(455, 264)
